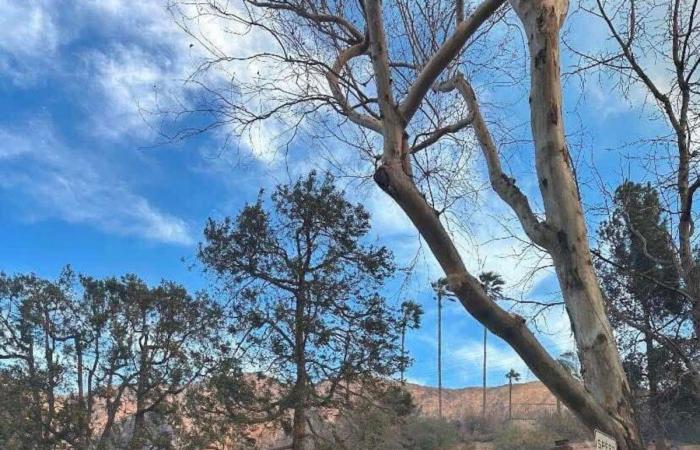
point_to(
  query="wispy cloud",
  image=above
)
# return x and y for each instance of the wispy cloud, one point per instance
(148, 80)
(499, 358)
(67, 184)
(128, 80)
(29, 38)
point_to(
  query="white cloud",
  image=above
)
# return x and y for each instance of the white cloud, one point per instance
(387, 217)
(130, 79)
(146, 79)
(499, 358)
(27, 28)
(141, 63)
(29, 38)
(69, 185)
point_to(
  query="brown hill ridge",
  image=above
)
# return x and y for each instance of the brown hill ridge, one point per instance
(529, 401)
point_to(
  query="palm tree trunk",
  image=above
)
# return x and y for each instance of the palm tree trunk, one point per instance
(510, 398)
(439, 295)
(483, 390)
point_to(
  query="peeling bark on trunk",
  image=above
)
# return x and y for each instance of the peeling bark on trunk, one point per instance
(605, 402)
(511, 328)
(602, 370)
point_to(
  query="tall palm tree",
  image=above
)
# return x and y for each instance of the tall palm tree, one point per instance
(512, 375)
(411, 313)
(493, 286)
(440, 288)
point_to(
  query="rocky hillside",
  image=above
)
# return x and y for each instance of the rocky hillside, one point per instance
(529, 401)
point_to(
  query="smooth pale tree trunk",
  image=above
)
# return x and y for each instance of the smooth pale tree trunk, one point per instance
(601, 366)
(604, 402)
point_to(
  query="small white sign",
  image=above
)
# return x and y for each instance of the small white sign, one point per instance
(604, 441)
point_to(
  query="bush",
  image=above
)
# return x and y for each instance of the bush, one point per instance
(564, 426)
(518, 438)
(376, 429)
(387, 421)
(398, 400)
(423, 433)
(481, 428)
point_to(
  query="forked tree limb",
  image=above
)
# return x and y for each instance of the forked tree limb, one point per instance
(333, 77)
(604, 402)
(392, 121)
(504, 186)
(509, 327)
(446, 54)
(314, 16)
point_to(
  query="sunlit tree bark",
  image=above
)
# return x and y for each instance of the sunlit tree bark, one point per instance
(404, 100)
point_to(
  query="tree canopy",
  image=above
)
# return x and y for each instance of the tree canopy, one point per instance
(304, 286)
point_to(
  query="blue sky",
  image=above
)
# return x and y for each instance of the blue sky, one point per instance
(83, 181)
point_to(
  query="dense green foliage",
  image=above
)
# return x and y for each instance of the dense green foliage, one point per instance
(648, 308)
(161, 367)
(77, 347)
(303, 286)
(388, 423)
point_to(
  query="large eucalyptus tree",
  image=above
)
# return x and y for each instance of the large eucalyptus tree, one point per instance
(401, 73)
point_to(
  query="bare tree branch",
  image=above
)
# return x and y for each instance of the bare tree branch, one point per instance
(444, 56)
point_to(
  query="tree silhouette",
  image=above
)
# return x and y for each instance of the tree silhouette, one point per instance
(441, 290)
(72, 349)
(493, 285)
(511, 375)
(411, 313)
(304, 286)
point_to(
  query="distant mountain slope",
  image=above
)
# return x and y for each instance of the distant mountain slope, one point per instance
(529, 400)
